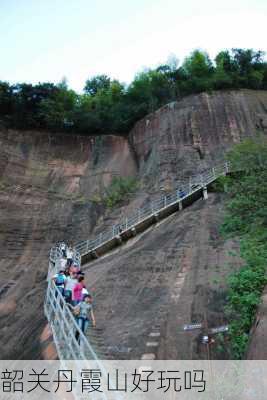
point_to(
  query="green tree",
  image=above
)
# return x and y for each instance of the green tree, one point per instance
(99, 82)
(198, 70)
(225, 68)
(6, 99)
(249, 65)
(246, 218)
(107, 106)
(198, 64)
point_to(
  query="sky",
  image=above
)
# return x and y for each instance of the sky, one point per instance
(46, 40)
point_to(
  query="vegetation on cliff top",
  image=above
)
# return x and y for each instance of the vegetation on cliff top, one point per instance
(110, 107)
(246, 218)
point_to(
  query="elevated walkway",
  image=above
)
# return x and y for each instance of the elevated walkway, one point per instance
(61, 320)
(185, 194)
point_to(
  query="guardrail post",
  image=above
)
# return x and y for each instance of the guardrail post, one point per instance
(213, 172)
(126, 223)
(205, 192)
(165, 201)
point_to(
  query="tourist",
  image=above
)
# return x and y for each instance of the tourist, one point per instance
(69, 253)
(74, 269)
(182, 193)
(70, 282)
(63, 248)
(77, 295)
(59, 280)
(84, 314)
(84, 292)
(63, 263)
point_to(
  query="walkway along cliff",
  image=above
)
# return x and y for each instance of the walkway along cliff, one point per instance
(60, 319)
(52, 188)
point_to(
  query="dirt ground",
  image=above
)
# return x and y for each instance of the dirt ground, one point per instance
(171, 275)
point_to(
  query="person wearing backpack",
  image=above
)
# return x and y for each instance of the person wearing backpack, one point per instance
(59, 280)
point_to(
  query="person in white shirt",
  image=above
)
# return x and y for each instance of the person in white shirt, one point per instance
(84, 292)
(69, 253)
(63, 263)
(63, 248)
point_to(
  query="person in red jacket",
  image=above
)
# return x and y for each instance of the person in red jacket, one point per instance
(77, 291)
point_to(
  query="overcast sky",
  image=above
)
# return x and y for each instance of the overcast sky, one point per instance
(44, 40)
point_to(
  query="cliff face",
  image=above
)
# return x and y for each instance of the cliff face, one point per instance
(194, 133)
(46, 184)
(51, 187)
(171, 275)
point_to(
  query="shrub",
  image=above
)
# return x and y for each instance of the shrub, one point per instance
(246, 217)
(120, 189)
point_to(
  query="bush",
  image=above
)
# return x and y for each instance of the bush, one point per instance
(120, 189)
(221, 184)
(246, 217)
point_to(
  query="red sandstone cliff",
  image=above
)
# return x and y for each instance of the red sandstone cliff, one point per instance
(50, 185)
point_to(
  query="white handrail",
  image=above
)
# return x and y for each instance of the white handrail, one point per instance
(185, 189)
(63, 325)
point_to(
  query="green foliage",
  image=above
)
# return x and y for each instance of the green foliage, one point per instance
(96, 198)
(223, 77)
(198, 64)
(251, 154)
(96, 84)
(246, 217)
(198, 71)
(109, 107)
(221, 184)
(120, 189)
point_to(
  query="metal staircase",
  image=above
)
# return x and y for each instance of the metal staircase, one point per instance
(187, 192)
(59, 316)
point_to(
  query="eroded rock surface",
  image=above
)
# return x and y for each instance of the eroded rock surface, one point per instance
(196, 132)
(171, 275)
(51, 186)
(48, 187)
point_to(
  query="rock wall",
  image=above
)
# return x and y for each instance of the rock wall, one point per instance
(51, 185)
(194, 133)
(48, 192)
